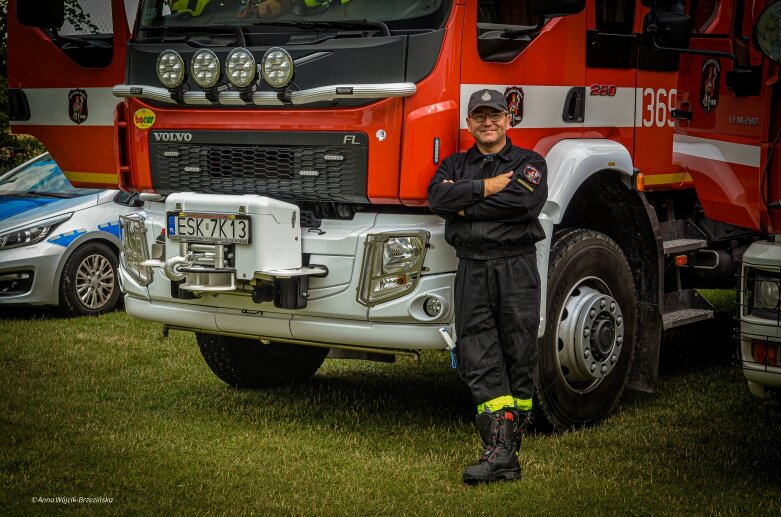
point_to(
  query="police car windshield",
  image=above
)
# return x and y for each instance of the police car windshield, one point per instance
(397, 14)
(41, 177)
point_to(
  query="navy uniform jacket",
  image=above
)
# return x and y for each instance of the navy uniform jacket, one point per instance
(502, 225)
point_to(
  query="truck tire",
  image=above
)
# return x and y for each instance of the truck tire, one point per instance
(88, 284)
(248, 363)
(587, 350)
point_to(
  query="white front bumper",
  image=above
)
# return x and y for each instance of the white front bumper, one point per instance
(333, 314)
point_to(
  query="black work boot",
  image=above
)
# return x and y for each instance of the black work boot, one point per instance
(521, 420)
(499, 460)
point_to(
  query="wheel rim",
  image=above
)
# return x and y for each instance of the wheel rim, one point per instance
(590, 335)
(95, 281)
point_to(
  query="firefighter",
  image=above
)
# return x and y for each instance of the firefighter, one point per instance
(188, 8)
(490, 198)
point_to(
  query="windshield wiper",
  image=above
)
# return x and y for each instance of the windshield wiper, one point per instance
(313, 25)
(60, 195)
(190, 30)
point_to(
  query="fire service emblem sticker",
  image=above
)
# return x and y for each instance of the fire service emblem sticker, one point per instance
(514, 96)
(710, 85)
(532, 174)
(77, 106)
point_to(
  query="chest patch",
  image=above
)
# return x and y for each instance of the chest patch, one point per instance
(532, 175)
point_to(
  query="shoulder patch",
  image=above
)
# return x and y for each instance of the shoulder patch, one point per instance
(532, 174)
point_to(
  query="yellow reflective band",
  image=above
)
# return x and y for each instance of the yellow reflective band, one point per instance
(496, 404)
(523, 404)
(92, 177)
(667, 179)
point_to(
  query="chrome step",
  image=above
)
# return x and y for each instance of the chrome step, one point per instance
(685, 307)
(676, 246)
(680, 236)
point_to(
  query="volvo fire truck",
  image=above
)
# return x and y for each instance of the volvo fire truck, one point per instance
(283, 155)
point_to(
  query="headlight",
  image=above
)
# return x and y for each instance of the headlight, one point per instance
(134, 248)
(205, 68)
(31, 234)
(766, 293)
(277, 67)
(240, 67)
(392, 263)
(170, 68)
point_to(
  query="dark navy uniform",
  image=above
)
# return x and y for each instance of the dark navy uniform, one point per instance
(497, 291)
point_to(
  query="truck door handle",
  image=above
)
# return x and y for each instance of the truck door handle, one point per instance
(574, 105)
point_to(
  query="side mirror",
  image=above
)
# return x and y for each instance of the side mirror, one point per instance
(44, 14)
(670, 30)
(767, 31)
(551, 8)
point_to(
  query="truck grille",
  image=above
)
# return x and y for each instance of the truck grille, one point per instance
(322, 167)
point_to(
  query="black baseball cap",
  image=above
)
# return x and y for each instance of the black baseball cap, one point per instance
(491, 98)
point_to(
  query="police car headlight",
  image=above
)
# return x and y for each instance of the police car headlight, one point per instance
(32, 234)
(277, 67)
(240, 67)
(392, 264)
(134, 248)
(205, 68)
(170, 68)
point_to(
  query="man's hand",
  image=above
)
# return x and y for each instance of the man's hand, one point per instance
(493, 185)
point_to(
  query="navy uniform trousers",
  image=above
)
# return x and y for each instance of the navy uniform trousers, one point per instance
(497, 317)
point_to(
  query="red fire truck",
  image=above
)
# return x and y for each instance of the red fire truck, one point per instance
(283, 149)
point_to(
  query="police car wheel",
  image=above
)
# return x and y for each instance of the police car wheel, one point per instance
(88, 285)
(248, 363)
(587, 350)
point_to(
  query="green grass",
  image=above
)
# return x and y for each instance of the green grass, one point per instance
(105, 407)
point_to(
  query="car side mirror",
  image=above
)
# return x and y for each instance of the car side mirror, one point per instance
(44, 14)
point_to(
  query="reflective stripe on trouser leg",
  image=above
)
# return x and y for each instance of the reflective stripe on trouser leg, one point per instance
(522, 404)
(505, 401)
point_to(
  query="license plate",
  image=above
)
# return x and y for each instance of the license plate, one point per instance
(210, 228)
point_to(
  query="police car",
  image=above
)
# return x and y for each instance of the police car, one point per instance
(59, 245)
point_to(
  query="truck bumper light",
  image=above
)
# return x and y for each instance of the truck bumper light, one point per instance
(432, 306)
(764, 353)
(392, 263)
(134, 248)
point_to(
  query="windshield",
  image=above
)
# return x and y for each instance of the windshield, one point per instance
(42, 176)
(397, 14)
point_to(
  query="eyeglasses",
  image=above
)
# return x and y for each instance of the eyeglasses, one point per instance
(495, 116)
